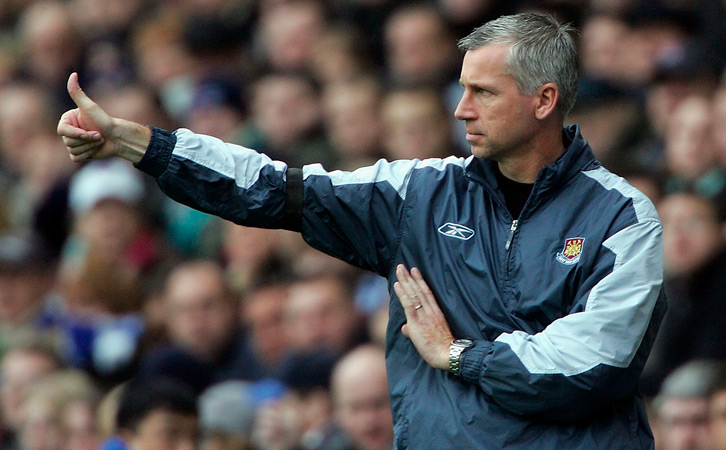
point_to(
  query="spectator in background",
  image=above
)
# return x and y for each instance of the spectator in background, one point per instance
(339, 56)
(352, 121)
(320, 315)
(25, 361)
(690, 153)
(360, 395)
(158, 413)
(49, 41)
(286, 121)
(303, 417)
(679, 73)
(37, 200)
(262, 315)
(419, 50)
(106, 268)
(253, 255)
(695, 263)
(288, 33)
(162, 62)
(205, 344)
(415, 125)
(25, 112)
(226, 413)
(26, 283)
(681, 407)
(59, 413)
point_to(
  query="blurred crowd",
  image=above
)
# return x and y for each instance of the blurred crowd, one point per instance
(126, 315)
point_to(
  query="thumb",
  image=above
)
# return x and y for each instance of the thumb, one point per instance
(404, 330)
(79, 97)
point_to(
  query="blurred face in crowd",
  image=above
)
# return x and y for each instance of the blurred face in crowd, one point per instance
(319, 313)
(360, 393)
(691, 232)
(499, 120)
(109, 226)
(50, 41)
(290, 32)
(602, 40)
(285, 108)
(41, 429)
(262, 315)
(415, 125)
(201, 316)
(21, 292)
(418, 48)
(352, 117)
(690, 150)
(20, 369)
(79, 426)
(164, 430)
(23, 114)
(684, 424)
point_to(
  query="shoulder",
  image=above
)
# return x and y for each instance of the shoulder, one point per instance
(617, 187)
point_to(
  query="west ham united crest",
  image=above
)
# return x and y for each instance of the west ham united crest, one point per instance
(571, 252)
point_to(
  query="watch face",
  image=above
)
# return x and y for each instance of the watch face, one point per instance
(464, 342)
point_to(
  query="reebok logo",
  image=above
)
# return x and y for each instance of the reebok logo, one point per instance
(457, 231)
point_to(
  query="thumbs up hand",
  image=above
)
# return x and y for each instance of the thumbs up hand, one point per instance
(86, 129)
(88, 132)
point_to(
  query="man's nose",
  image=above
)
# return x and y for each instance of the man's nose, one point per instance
(464, 110)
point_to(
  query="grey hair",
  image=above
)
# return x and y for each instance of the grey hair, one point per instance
(542, 51)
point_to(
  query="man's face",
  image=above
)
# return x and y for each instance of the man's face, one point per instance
(165, 430)
(200, 317)
(685, 424)
(499, 119)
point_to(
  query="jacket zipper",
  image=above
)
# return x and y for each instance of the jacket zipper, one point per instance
(512, 229)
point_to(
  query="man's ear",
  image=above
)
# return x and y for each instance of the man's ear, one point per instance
(547, 97)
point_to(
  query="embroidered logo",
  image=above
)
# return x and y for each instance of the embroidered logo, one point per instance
(457, 231)
(571, 252)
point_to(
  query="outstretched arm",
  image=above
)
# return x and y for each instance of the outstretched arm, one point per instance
(90, 133)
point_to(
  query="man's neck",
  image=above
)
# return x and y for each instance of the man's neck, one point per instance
(542, 151)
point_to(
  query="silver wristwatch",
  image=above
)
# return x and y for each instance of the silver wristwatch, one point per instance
(455, 350)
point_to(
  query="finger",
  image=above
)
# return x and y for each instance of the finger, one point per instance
(404, 330)
(427, 297)
(405, 293)
(75, 142)
(85, 156)
(65, 129)
(411, 287)
(83, 148)
(77, 94)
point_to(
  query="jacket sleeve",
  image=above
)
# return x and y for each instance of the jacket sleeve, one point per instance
(227, 180)
(594, 355)
(353, 216)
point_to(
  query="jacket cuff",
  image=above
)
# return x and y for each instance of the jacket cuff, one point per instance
(158, 153)
(472, 361)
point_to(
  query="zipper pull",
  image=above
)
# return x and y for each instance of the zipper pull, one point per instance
(512, 229)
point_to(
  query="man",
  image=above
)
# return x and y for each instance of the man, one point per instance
(682, 406)
(205, 341)
(360, 395)
(158, 413)
(557, 285)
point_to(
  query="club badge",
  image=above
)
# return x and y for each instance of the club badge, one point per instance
(571, 252)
